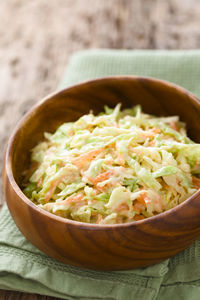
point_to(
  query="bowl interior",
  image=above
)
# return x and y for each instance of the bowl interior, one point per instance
(156, 97)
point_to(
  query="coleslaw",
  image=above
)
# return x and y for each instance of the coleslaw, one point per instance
(116, 167)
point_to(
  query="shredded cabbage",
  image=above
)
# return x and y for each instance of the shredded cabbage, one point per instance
(119, 166)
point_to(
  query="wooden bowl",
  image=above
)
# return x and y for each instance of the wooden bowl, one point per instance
(102, 247)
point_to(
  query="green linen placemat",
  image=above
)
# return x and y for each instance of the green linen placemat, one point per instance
(24, 268)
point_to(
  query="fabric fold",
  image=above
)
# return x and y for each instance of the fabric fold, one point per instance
(25, 268)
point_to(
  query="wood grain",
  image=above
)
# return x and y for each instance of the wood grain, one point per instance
(103, 247)
(48, 32)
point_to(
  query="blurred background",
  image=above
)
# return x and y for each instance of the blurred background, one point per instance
(38, 37)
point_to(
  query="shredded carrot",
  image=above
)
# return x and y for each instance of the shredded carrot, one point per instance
(108, 162)
(70, 199)
(147, 200)
(101, 177)
(99, 218)
(173, 125)
(141, 198)
(119, 219)
(137, 206)
(138, 217)
(52, 189)
(104, 189)
(151, 133)
(82, 159)
(156, 130)
(93, 201)
(197, 165)
(40, 181)
(120, 158)
(121, 207)
(152, 143)
(196, 182)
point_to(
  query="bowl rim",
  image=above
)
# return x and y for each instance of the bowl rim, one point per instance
(84, 225)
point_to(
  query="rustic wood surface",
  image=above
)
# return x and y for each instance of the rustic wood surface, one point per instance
(38, 37)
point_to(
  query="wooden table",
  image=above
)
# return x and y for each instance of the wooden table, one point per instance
(38, 37)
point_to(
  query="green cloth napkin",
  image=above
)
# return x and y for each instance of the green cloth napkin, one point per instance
(24, 268)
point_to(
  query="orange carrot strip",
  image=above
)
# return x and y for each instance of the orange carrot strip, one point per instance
(152, 143)
(52, 189)
(173, 125)
(196, 182)
(123, 206)
(120, 158)
(156, 130)
(141, 199)
(197, 165)
(147, 200)
(138, 217)
(86, 157)
(99, 218)
(101, 177)
(151, 133)
(137, 206)
(70, 199)
(40, 181)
